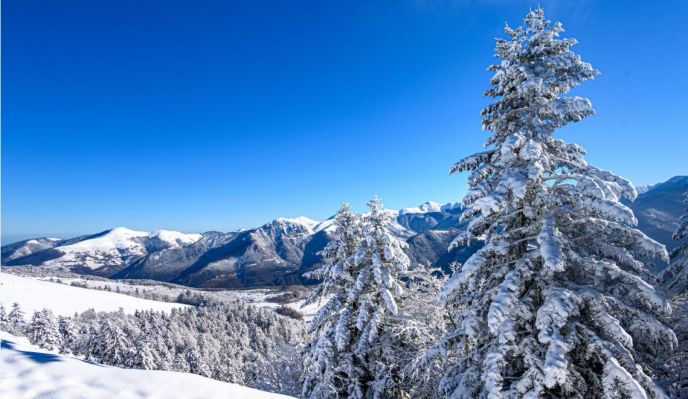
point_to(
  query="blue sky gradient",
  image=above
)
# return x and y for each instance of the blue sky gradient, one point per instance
(215, 115)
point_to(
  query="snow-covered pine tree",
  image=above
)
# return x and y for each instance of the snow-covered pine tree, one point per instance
(553, 305)
(355, 353)
(324, 376)
(197, 364)
(69, 335)
(4, 319)
(43, 331)
(116, 348)
(16, 323)
(92, 346)
(143, 357)
(335, 272)
(152, 326)
(374, 308)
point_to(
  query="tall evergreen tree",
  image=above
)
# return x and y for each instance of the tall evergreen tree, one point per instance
(43, 331)
(553, 305)
(323, 377)
(336, 271)
(16, 323)
(355, 353)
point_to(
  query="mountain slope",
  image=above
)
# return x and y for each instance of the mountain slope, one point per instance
(252, 257)
(168, 263)
(659, 208)
(104, 253)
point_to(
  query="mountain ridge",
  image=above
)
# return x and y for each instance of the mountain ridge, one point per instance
(281, 250)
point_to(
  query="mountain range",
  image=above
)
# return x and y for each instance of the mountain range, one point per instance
(280, 251)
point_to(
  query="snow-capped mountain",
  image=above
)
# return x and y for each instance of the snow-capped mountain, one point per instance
(280, 251)
(276, 253)
(166, 264)
(164, 239)
(429, 206)
(104, 253)
(253, 257)
(27, 247)
(427, 216)
(111, 248)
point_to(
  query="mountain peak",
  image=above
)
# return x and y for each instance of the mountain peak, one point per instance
(430, 206)
(174, 238)
(298, 220)
(124, 231)
(299, 225)
(290, 224)
(674, 182)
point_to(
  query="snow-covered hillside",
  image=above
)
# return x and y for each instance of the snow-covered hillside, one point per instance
(260, 297)
(29, 372)
(64, 300)
(108, 251)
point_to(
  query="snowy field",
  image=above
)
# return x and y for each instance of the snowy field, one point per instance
(258, 296)
(33, 294)
(29, 372)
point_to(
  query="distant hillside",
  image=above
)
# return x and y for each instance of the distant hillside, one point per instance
(659, 208)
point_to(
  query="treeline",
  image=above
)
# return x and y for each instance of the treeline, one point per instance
(235, 342)
(186, 297)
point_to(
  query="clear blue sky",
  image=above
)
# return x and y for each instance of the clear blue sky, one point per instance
(199, 115)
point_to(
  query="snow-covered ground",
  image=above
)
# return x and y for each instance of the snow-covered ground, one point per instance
(29, 372)
(257, 296)
(33, 294)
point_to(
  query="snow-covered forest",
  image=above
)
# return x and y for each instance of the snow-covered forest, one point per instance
(193, 340)
(560, 296)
